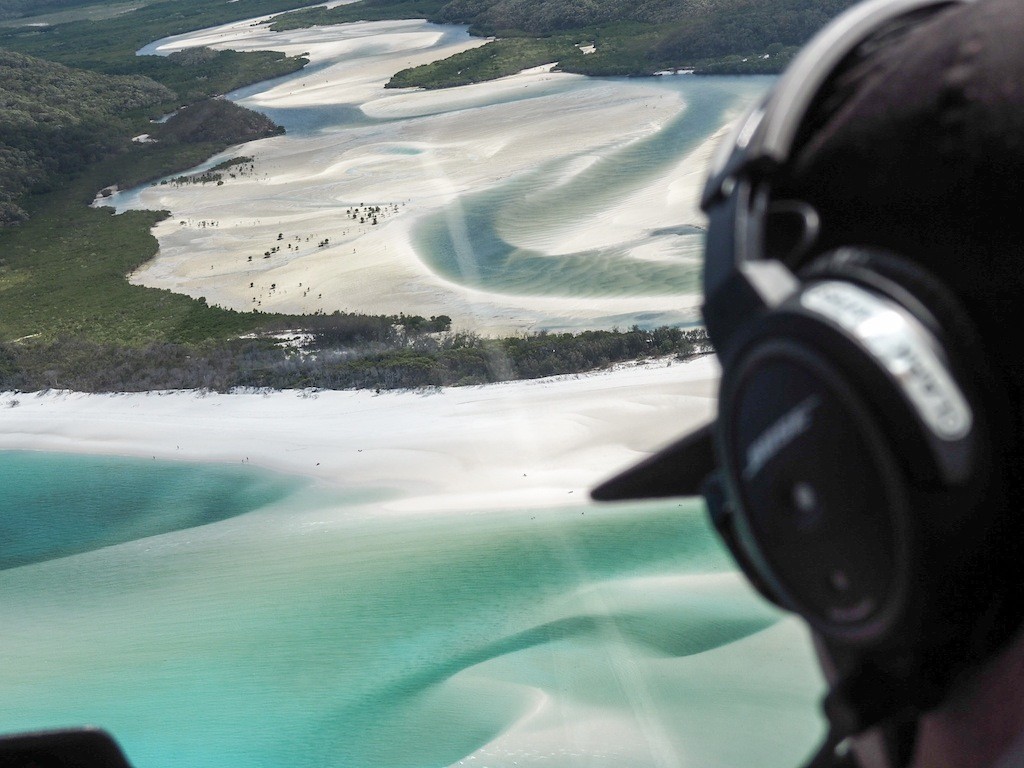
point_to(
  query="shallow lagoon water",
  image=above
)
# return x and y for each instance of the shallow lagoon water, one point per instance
(544, 201)
(478, 255)
(477, 252)
(56, 505)
(312, 630)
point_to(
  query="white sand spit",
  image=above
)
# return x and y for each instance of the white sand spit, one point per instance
(501, 445)
(415, 154)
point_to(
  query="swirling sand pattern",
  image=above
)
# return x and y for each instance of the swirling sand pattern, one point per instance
(337, 636)
(539, 201)
(465, 244)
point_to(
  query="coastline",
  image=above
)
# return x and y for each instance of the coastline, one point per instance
(476, 574)
(524, 443)
(464, 609)
(419, 154)
(477, 582)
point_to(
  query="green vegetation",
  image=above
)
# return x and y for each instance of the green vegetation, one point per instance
(110, 45)
(694, 29)
(15, 9)
(365, 10)
(108, 48)
(215, 120)
(56, 120)
(495, 59)
(73, 95)
(63, 273)
(71, 320)
(629, 38)
(65, 132)
(375, 353)
(95, 10)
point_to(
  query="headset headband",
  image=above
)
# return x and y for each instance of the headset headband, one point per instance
(768, 131)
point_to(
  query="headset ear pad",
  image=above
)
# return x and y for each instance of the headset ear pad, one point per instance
(849, 511)
(975, 515)
(820, 506)
(935, 306)
(927, 297)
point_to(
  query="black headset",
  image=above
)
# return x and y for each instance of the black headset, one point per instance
(853, 469)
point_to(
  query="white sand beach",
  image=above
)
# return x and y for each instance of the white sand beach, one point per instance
(516, 444)
(482, 613)
(414, 154)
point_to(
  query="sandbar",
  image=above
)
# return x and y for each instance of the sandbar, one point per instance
(514, 444)
(415, 154)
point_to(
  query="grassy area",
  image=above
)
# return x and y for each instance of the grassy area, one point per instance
(63, 274)
(497, 58)
(94, 12)
(365, 10)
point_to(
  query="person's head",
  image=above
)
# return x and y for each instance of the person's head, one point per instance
(864, 286)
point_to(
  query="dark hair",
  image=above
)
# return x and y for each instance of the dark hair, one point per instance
(917, 145)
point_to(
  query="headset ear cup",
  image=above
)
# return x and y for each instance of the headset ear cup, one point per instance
(988, 516)
(910, 285)
(936, 305)
(722, 516)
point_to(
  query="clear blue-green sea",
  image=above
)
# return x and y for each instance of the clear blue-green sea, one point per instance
(533, 203)
(222, 616)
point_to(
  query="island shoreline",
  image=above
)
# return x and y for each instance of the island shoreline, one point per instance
(523, 443)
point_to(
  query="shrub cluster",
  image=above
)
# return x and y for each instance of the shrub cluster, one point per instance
(630, 38)
(350, 354)
(55, 120)
(215, 120)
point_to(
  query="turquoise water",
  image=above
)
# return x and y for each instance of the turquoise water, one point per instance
(476, 254)
(214, 616)
(284, 626)
(55, 505)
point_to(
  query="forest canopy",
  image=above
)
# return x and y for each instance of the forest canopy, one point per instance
(55, 120)
(627, 38)
(73, 96)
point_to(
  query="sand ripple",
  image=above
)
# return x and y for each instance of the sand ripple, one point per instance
(542, 200)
